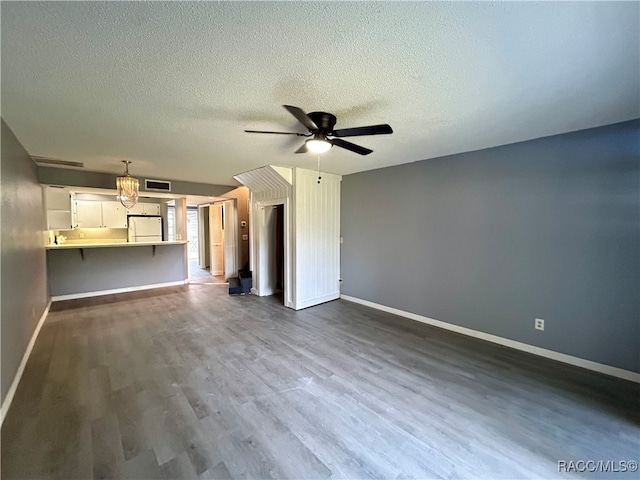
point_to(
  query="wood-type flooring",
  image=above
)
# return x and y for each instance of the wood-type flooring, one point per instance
(189, 382)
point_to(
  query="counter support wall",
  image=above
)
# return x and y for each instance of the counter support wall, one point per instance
(107, 270)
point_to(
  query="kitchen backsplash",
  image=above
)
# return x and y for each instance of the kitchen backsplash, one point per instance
(93, 235)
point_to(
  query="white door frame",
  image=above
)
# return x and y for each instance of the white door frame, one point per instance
(203, 234)
(258, 231)
(231, 248)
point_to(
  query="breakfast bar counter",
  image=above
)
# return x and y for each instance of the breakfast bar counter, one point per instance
(78, 270)
(68, 245)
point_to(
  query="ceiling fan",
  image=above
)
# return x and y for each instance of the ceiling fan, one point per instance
(320, 126)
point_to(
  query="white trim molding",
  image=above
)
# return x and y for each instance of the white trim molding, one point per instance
(525, 347)
(318, 300)
(74, 296)
(16, 379)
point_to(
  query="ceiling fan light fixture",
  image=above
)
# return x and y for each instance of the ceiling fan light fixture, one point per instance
(318, 145)
(320, 126)
(127, 187)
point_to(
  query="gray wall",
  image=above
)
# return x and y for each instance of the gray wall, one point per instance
(23, 279)
(85, 178)
(489, 240)
(111, 268)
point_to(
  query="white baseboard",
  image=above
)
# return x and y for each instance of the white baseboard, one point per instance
(16, 379)
(74, 296)
(317, 300)
(525, 347)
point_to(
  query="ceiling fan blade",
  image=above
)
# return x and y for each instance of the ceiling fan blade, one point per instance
(278, 133)
(301, 116)
(358, 131)
(302, 149)
(349, 146)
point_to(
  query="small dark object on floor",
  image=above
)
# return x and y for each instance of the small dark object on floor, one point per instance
(242, 284)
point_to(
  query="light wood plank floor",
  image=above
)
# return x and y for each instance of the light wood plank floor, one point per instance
(202, 275)
(189, 382)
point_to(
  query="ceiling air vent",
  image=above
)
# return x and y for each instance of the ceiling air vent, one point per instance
(55, 161)
(158, 185)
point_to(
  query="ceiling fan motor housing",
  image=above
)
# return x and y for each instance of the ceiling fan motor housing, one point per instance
(325, 121)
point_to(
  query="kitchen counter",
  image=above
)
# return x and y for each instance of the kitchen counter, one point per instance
(112, 244)
(78, 270)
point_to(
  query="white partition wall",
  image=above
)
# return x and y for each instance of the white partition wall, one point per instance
(231, 250)
(317, 237)
(180, 228)
(311, 225)
(268, 186)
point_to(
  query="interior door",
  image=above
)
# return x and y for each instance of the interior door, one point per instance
(230, 235)
(216, 238)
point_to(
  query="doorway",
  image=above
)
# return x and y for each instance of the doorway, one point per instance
(192, 233)
(272, 251)
(197, 241)
(223, 235)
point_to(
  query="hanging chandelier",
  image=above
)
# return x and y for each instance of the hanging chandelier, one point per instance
(127, 187)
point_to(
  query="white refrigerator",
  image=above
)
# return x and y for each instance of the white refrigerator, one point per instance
(145, 228)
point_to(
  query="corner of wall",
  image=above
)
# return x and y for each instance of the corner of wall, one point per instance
(24, 297)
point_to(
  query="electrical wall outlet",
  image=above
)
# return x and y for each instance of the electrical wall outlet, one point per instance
(539, 324)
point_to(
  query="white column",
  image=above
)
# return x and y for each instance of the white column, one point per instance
(181, 219)
(180, 228)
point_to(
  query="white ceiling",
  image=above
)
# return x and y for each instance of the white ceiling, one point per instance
(172, 85)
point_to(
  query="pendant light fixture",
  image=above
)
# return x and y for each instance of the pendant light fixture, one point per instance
(127, 187)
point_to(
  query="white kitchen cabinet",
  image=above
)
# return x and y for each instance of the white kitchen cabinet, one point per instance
(58, 220)
(58, 208)
(152, 209)
(88, 214)
(144, 209)
(58, 198)
(114, 215)
(92, 214)
(137, 209)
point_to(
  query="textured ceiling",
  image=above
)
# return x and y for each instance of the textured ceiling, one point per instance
(172, 85)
